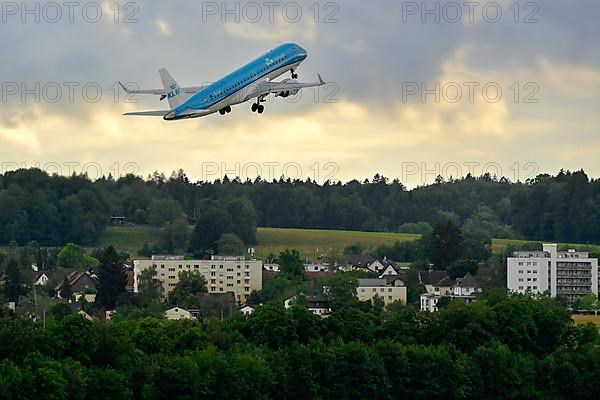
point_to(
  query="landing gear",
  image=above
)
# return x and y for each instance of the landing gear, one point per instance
(225, 110)
(294, 74)
(258, 108)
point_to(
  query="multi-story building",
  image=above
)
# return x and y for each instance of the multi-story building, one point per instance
(222, 273)
(368, 289)
(570, 274)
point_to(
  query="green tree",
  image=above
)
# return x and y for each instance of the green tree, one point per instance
(66, 292)
(230, 245)
(149, 286)
(209, 229)
(446, 244)
(422, 228)
(480, 229)
(243, 219)
(190, 285)
(460, 268)
(13, 287)
(341, 289)
(162, 211)
(589, 302)
(290, 263)
(175, 235)
(112, 280)
(73, 256)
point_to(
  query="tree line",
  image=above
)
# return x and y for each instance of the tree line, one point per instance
(55, 210)
(501, 347)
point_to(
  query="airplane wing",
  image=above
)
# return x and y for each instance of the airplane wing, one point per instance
(158, 113)
(160, 92)
(283, 88)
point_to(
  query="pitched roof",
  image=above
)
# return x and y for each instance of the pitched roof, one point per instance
(318, 301)
(467, 281)
(359, 260)
(392, 278)
(431, 277)
(446, 282)
(372, 282)
(73, 277)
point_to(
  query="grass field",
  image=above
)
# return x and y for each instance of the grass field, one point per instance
(129, 239)
(584, 319)
(312, 242)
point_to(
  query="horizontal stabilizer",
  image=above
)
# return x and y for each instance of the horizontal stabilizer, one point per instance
(158, 113)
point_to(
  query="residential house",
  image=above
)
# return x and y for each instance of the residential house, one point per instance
(466, 289)
(247, 309)
(430, 278)
(319, 305)
(177, 313)
(83, 285)
(384, 267)
(368, 289)
(271, 267)
(314, 267)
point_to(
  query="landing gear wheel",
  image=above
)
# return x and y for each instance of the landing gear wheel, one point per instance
(254, 107)
(261, 109)
(228, 109)
(294, 74)
(222, 111)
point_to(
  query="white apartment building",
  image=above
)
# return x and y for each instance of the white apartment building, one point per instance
(570, 274)
(222, 273)
(369, 288)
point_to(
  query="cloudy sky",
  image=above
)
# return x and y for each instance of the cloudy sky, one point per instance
(416, 89)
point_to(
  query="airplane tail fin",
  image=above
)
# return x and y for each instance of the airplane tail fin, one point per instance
(175, 95)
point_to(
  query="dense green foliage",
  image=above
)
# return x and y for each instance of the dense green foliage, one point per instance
(111, 280)
(499, 348)
(56, 210)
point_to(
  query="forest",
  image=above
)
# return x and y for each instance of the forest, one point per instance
(500, 347)
(55, 210)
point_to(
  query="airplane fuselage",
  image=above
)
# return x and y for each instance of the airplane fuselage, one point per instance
(237, 87)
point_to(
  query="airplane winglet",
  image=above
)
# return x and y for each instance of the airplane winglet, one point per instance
(124, 88)
(321, 81)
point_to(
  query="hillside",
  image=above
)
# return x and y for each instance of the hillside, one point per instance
(309, 242)
(313, 242)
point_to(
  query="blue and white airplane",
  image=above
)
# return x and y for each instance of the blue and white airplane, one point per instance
(252, 81)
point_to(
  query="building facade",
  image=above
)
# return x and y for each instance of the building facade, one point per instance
(570, 274)
(222, 273)
(465, 289)
(368, 289)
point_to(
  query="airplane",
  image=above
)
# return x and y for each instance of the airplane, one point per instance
(252, 81)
